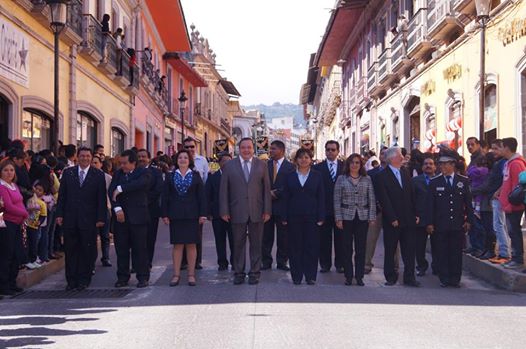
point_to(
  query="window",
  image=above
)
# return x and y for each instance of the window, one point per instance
(117, 141)
(490, 108)
(36, 130)
(86, 130)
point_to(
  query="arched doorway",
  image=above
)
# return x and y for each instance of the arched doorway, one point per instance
(412, 115)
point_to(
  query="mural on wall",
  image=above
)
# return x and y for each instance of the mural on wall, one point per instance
(430, 136)
(454, 122)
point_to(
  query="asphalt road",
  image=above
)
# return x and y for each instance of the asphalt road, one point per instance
(273, 314)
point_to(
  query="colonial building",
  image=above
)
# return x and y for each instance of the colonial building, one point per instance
(410, 74)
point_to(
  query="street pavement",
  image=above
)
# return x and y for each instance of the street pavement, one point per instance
(273, 314)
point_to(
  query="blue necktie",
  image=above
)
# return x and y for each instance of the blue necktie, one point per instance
(332, 172)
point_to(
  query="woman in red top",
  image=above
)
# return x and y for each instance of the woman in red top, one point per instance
(14, 215)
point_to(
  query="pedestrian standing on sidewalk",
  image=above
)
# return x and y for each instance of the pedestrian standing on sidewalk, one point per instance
(354, 210)
(515, 165)
(222, 229)
(184, 209)
(104, 232)
(129, 200)
(14, 215)
(154, 199)
(81, 210)
(450, 213)
(330, 169)
(304, 195)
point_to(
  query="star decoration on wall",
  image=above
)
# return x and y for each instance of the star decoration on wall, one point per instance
(23, 55)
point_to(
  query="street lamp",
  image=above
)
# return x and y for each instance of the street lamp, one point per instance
(182, 104)
(483, 9)
(58, 10)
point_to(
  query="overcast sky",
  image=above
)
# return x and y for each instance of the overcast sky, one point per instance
(262, 45)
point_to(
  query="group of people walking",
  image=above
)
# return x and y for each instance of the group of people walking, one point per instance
(308, 209)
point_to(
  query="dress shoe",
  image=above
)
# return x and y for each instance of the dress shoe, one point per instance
(390, 283)
(297, 282)
(239, 279)
(348, 282)
(198, 267)
(340, 270)
(120, 284)
(191, 280)
(325, 270)
(17, 289)
(142, 284)
(175, 281)
(70, 287)
(222, 267)
(253, 280)
(443, 284)
(106, 263)
(265, 267)
(283, 267)
(82, 287)
(412, 283)
(420, 273)
(359, 282)
(311, 282)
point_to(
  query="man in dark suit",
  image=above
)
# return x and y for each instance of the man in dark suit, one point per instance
(330, 169)
(450, 214)
(129, 200)
(154, 195)
(244, 201)
(81, 210)
(278, 169)
(421, 185)
(222, 229)
(396, 196)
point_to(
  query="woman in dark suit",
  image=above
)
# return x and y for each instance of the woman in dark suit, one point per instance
(354, 210)
(183, 207)
(305, 211)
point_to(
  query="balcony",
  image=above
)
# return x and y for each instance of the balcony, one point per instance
(72, 34)
(109, 62)
(441, 19)
(384, 67)
(225, 125)
(352, 98)
(399, 59)
(466, 7)
(92, 45)
(372, 79)
(362, 99)
(418, 43)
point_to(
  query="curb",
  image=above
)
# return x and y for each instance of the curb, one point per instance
(27, 278)
(511, 280)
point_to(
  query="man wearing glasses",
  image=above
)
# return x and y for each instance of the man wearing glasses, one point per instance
(330, 169)
(201, 166)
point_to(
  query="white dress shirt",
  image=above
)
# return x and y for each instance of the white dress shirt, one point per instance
(85, 171)
(243, 164)
(303, 177)
(279, 162)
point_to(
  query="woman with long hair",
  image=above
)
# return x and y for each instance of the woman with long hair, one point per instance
(354, 210)
(183, 207)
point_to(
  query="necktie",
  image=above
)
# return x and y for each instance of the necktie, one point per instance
(427, 179)
(245, 170)
(449, 181)
(275, 174)
(332, 171)
(81, 177)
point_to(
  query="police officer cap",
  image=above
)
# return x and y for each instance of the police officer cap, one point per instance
(448, 155)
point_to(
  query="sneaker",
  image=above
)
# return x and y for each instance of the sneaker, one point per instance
(512, 265)
(499, 260)
(37, 265)
(31, 266)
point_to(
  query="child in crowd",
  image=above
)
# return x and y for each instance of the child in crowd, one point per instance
(478, 174)
(37, 219)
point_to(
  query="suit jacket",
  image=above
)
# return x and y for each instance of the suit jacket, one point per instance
(212, 194)
(398, 204)
(349, 199)
(421, 191)
(82, 207)
(242, 200)
(448, 207)
(190, 205)
(308, 200)
(154, 192)
(278, 205)
(323, 168)
(134, 197)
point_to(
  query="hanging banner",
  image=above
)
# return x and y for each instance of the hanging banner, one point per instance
(261, 145)
(14, 53)
(221, 147)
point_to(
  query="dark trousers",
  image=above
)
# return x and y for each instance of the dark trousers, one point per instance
(420, 250)
(80, 245)
(33, 237)
(449, 248)
(328, 229)
(222, 231)
(274, 224)
(406, 237)
(104, 234)
(513, 221)
(131, 237)
(304, 247)
(354, 242)
(8, 259)
(153, 226)
(255, 238)
(490, 239)
(52, 227)
(477, 235)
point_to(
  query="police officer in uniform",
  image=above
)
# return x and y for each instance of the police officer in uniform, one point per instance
(450, 214)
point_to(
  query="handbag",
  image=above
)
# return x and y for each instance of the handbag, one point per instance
(517, 195)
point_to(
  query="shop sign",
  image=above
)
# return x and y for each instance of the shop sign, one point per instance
(14, 54)
(512, 31)
(453, 72)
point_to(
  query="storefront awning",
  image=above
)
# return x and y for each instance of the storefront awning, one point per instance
(169, 19)
(229, 87)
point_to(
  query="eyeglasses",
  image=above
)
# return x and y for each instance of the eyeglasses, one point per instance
(189, 146)
(331, 149)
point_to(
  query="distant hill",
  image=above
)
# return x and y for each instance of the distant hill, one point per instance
(279, 110)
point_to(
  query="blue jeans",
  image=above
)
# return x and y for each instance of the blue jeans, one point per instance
(515, 231)
(501, 230)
